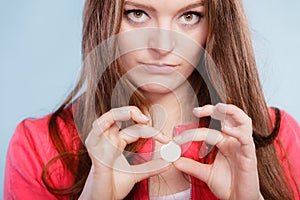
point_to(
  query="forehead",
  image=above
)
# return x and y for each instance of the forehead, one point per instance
(165, 5)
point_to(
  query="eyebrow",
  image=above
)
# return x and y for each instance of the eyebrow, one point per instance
(194, 5)
(149, 7)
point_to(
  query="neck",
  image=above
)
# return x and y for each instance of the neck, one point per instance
(173, 108)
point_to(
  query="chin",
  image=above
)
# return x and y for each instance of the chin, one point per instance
(155, 89)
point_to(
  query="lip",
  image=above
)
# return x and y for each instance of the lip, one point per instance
(159, 68)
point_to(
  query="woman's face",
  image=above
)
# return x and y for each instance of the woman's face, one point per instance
(160, 42)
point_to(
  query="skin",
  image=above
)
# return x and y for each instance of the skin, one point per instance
(233, 175)
(175, 21)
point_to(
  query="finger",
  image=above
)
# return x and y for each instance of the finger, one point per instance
(148, 169)
(234, 120)
(214, 137)
(227, 113)
(193, 168)
(243, 136)
(113, 131)
(106, 120)
(93, 137)
(210, 136)
(133, 133)
(128, 112)
(123, 114)
(234, 112)
(242, 133)
(222, 111)
(204, 111)
(209, 110)
(105, 150)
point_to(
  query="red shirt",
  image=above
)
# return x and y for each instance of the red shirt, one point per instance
(31, 148)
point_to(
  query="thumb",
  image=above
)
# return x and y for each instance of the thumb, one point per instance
(193, 168)
(149, 169)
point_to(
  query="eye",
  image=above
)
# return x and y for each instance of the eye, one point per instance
(138, 16)
(190, 18)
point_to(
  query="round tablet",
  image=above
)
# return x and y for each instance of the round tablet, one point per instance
(170, 152)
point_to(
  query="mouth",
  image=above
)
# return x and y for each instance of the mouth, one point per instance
(159, 68)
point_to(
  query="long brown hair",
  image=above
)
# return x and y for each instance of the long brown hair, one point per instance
(230, 47)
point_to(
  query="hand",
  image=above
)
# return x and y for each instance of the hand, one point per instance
(234, 174)
(111, 176)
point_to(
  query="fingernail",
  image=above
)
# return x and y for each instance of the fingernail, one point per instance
(144, 117)
(198, 109)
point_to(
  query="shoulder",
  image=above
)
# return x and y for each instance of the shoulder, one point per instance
(34, 133)
(29, 151)
(289, 131)
(31, 134)
(288, 147)
(288, 142)
(289, 139)
(31, 147)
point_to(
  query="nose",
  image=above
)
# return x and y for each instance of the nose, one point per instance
(162, 41)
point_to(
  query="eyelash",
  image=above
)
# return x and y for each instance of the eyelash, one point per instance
(197, 14)
(127, 12)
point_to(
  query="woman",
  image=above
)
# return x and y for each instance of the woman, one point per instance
(159, 84)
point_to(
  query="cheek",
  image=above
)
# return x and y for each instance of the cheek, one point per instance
(200, 36)
(200, 33)
(186, 70)
(132, 45)
(127, 61)
(127, 48)
(125, 43)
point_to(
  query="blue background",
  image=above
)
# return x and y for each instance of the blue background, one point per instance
(40, 57)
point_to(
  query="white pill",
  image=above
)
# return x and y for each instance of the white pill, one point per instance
(170, 152)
